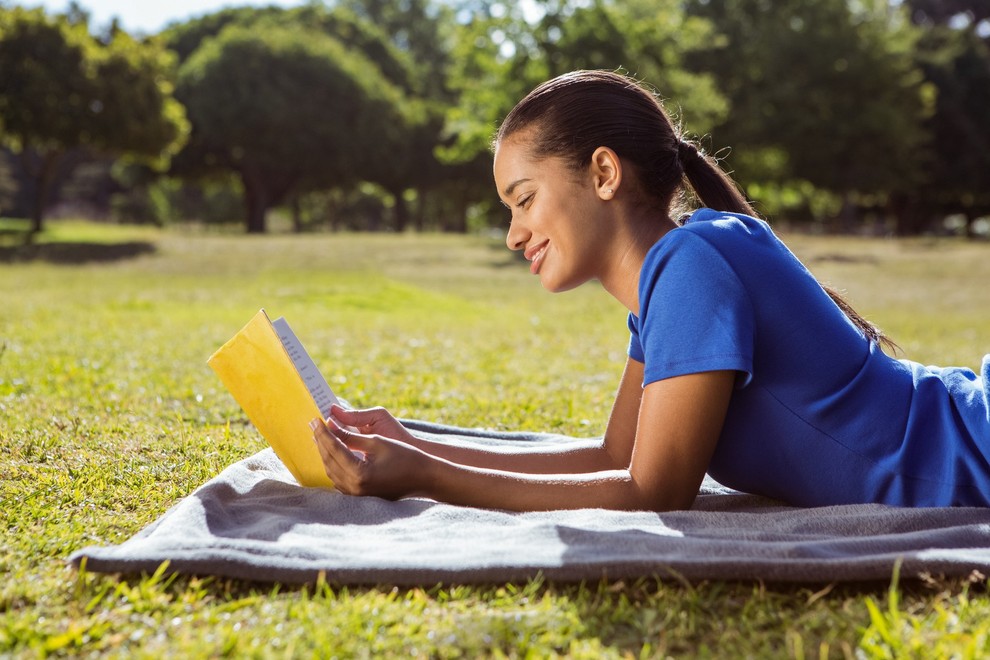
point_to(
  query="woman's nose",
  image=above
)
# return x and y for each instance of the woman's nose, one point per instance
(517, 236)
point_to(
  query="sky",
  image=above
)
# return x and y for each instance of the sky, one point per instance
(148, 16)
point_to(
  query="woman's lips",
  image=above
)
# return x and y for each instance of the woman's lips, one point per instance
(535, 256)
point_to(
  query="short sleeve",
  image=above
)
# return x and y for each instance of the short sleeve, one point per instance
(635, 347)
(695, 313)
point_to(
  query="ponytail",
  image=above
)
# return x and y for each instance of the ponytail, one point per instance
(712, 186)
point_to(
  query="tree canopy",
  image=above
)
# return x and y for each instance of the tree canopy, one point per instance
(62, 89)
(822, 91)
(824, 110)
(289, 110)
(957, 163)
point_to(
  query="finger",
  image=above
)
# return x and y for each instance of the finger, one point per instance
(367, 417)
(330, 465)
(340, 475)
(324, 445)
(337, 410)
(332, 449)
(350, 414)
(349, 438)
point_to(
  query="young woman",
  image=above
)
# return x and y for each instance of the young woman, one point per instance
(740, 363)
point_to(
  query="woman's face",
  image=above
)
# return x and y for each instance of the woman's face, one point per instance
(554, 215)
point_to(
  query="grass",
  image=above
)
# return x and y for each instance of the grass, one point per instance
(108, 415)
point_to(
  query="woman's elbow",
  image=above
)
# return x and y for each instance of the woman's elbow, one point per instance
(663, 500)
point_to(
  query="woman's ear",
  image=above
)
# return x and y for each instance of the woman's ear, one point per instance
(606, 169)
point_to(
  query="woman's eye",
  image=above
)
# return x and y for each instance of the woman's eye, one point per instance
(522, 202)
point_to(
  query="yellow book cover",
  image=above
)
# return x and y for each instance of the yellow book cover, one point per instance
(269, 373)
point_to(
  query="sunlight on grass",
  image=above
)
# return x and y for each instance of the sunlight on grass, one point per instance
(109, 415)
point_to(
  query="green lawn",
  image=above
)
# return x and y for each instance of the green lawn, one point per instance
(109, 414)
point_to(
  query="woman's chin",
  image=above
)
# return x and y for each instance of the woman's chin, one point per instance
(555, 285)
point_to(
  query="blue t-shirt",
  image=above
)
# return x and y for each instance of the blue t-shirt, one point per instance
(820, 415)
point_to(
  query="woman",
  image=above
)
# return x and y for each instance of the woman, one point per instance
(740, 363)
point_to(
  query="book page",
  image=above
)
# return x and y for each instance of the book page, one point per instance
(310, 373)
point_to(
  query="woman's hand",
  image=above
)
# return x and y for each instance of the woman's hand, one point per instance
(371, 421)
(370, 464)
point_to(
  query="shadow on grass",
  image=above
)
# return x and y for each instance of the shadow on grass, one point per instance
(74, 253)
(838, 258)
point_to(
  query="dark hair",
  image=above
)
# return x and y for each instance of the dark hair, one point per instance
(577, 112)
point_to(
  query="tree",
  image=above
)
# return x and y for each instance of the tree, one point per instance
(341, 23)
(398, 58)
(289, 110)
(61, 89)
(484, 78)
(969, 13)
(422, 32)
(955, 56)
(650, 39)
(957, 176)
(8, 184)
(822, 91)
(499, 57)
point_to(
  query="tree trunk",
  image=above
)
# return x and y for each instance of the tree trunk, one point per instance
(848, 217)
(297, 221)
(971, 216)
(911, 216)
(42, 168)
(419, 217)
(256, 214)
(256, 200)
(37, 212)
(401, 219)
(455, 220)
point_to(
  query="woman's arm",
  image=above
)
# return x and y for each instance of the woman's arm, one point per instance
(590, 455)
(679, 421)
(578, 456)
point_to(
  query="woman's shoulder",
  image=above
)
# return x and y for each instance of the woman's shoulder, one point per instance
(720, 230)
(694, 249)
(745, 244)
(723, 224)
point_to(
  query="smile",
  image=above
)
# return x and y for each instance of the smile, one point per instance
(535, 256)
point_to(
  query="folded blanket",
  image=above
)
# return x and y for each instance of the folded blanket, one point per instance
(253, 521)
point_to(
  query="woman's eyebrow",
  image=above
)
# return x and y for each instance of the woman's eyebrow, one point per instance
(512, 186)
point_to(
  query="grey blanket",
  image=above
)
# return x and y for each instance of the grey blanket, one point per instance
(253, 521)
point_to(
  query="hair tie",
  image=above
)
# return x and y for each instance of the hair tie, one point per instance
(687, 151)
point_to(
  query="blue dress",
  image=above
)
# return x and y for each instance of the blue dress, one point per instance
(820, 414)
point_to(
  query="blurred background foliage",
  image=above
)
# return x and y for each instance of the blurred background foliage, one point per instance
(868, 116)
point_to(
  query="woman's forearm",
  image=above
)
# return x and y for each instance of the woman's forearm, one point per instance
(360, 464)
(586, 455)
(579, 456)
(486, 488)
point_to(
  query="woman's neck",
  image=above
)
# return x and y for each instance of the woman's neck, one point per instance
(634, 239)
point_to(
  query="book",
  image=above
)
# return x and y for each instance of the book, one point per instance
(274, 380)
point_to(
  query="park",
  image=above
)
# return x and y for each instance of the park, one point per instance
(133, 258)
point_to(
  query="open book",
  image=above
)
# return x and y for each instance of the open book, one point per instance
(277, 384)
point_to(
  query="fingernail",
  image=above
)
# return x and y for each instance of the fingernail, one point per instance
(314, 424)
